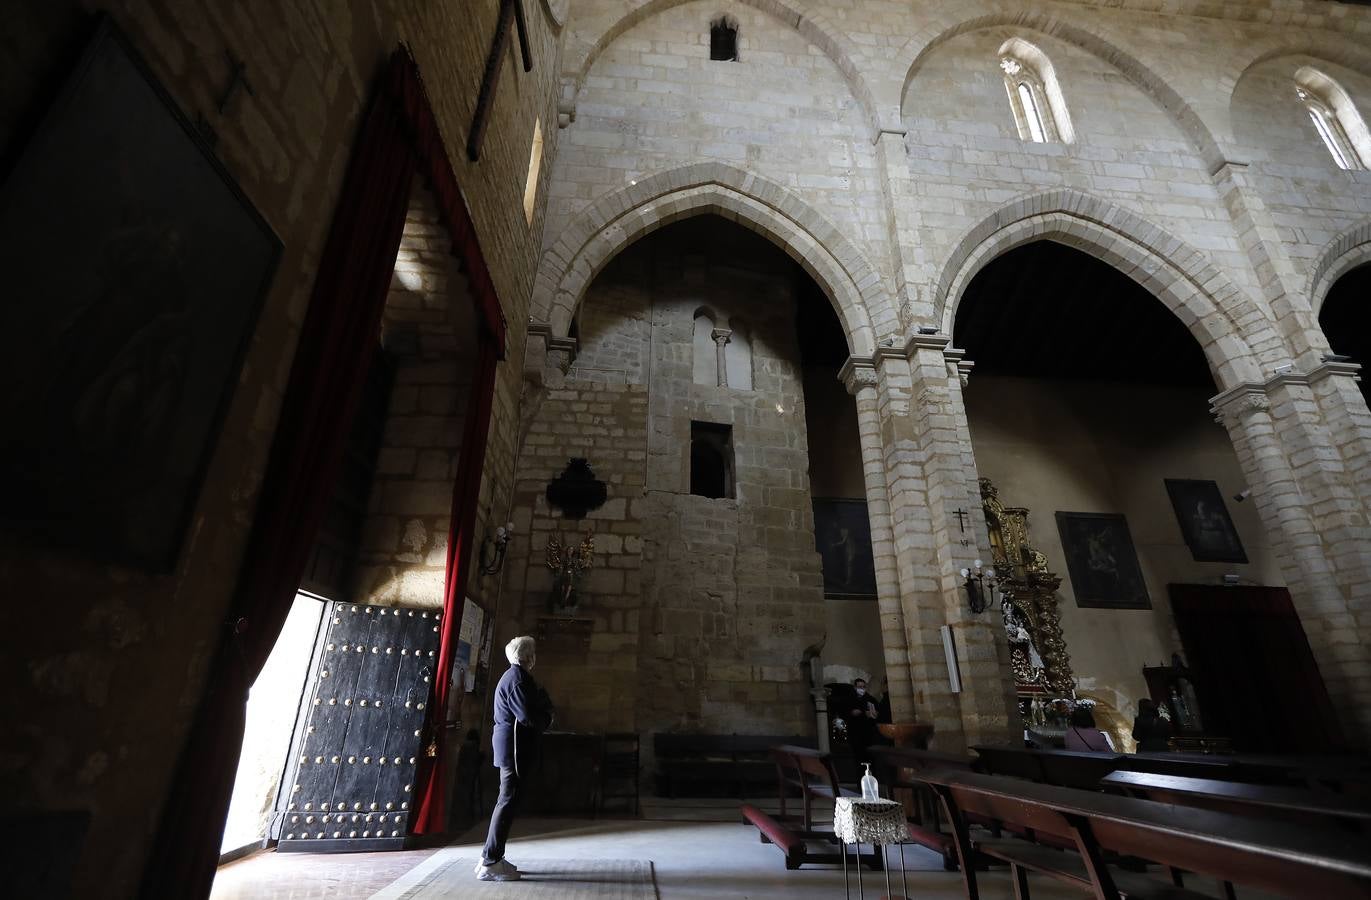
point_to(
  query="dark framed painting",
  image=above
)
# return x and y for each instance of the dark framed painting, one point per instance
(134, 272)
(1101, 561)
(842, 535)
(1204, 521)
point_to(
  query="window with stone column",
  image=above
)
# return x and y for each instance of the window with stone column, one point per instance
(1335, 118)
(1035, 97)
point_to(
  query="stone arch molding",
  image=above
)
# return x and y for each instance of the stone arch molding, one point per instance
(1339, 256)
(935, 34)
(1223, 320)
(813, 25)
(859, 295)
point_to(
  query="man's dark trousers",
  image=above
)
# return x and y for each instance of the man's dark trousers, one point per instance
(502, 817)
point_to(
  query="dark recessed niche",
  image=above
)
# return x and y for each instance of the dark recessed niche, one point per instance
(723, 40)
(711, 460)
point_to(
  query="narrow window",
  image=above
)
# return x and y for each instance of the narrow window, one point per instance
(705, 356)
(723, 40)
(1336, 119)
(535, 164)
(738, 356)
(1334, 146)
(1035, 97)
(711, 460)
(1031, 113)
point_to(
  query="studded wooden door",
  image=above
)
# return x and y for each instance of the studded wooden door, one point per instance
(350, 777)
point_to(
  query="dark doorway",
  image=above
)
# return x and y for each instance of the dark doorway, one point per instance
(1254, 672)
(1346, 317)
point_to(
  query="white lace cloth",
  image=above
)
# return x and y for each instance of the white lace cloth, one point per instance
(857, 821)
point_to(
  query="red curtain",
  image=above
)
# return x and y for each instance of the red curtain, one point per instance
(431, 782)
(397, 136)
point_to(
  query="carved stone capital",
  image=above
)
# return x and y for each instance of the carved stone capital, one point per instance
(857, 374)
(1232, 406)
(721, 335)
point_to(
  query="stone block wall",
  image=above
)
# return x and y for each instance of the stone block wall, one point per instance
(102, 706)
(701, 607)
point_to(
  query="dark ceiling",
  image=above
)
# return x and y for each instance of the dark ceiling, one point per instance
(1045, 310)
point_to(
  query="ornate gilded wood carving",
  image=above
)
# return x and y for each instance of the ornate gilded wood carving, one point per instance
(1029, 589)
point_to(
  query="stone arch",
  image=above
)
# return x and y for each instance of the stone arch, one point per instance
(813, 25)
(859, 294)
(916, 50)
(1334, 49)
(1227, 325)
(1339, 256)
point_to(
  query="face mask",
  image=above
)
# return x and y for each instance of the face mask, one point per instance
(861, 692)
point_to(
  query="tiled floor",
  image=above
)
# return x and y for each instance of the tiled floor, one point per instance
(693, 860)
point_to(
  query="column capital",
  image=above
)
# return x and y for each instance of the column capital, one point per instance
(721, 335)
(1251, 396)
(858, 373)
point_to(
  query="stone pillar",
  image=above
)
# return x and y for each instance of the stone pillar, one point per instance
(1317, 525)
(721, 336)
(930, 476)
(860, 379)
(988, 709)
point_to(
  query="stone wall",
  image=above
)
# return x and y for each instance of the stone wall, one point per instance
(102, 702)
(897, 171)
(703, 609)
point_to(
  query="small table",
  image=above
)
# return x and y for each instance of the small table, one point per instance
(875, 822)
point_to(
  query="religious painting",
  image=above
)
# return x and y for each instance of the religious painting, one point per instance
(1101, 561)
(134, 270)
(842, 536)
(1204, 521)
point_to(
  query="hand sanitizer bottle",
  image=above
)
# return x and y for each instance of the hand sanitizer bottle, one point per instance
(870, 790)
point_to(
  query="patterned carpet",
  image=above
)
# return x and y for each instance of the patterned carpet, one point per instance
(447, 874)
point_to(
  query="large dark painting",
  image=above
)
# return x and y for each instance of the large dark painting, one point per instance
(133, 272)
(1204, 521)
(842, 535)
(1101, 561)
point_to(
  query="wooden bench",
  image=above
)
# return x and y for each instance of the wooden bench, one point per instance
(897, 768)
(1288, 859)
(1289, 804)
(809, 774)
(713, 764)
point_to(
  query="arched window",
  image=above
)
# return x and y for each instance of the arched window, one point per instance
(738, 356)
(1034, 95)
(723, 40)
(1336, 120)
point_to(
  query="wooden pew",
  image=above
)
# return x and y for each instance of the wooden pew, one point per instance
(1289, 804)
(890, 764)
(1288, 859)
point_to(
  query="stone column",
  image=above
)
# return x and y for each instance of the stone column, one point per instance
(1304, 498)
(988, 708)
(860, 379)
(721, 336)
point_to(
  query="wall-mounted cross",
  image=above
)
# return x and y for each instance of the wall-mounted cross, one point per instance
(511, 13)
(961, 518)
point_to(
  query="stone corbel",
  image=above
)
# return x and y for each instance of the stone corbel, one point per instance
(547, 350)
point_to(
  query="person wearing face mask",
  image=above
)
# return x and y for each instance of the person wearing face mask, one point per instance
(523, 711)
(861, 722)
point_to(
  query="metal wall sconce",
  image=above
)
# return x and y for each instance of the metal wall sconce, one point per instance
(980, 585)
(493, 549)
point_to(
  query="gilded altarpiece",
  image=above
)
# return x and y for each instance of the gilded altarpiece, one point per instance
(1028, 591)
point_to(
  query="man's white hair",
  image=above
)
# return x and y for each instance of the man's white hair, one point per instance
(519, 650)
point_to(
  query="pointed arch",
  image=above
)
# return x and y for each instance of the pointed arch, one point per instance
(1230, 329)
(859, 294)
(813, 25)
(1350, 249)
(917, 49)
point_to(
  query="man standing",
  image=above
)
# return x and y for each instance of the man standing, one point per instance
(523, 711)
(861, 723)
